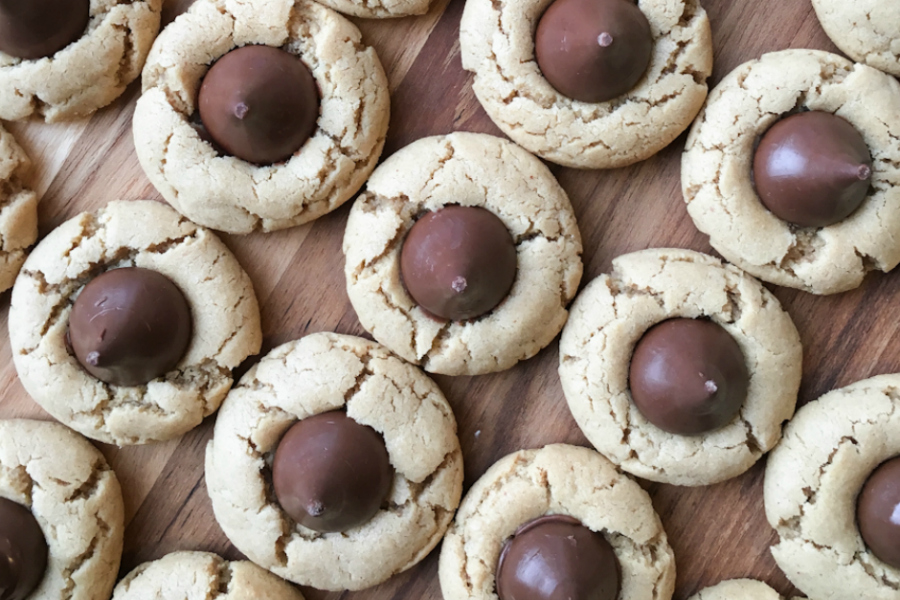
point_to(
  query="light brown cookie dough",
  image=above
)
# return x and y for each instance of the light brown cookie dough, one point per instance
(813, 478)
(87, 74)
(738, 589)
(320, 373)
(866, 30)
(564, 480)
(77, 502)
(470, 170)
(718, 185)
(18, 209)
(497, 44)
(225, 192)
(202, 576)
(151, 235)
(611, 315)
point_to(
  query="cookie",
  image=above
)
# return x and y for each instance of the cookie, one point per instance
(738, 589)
(149, 235)
(719, 189)
(611, 316)
(199, 576)
(320, 373)
(230, 194)
(470, 170)
(75, 497)
(813, 479)
(497, 44)
(379, 9)
(88, 73)
(18, 215)
(865, 30)
(556, 480)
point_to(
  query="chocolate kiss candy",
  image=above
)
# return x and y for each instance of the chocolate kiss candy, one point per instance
(23, 551)
(555, 557)
(331, 473)
(259, 104)
(878, 512)
(32, 29)
(812, 169)
(129, 326)
(593, 50)
(459, 262)
(688, 376)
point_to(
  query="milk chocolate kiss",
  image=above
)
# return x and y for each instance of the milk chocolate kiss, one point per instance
(33, 29)
(555, 557)
(458, 262)
(129, 326)
(812, 169)
(331, 473)
(259, 104)
(878, 512)
(593, 50)
(688, 376)
(23, 551)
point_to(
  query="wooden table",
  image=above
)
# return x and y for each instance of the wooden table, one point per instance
(717, 532)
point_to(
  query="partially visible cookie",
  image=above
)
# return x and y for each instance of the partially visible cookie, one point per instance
(738, 589)
(556, 480)
(88, 73)
(18, 215)
(224, 322)
(612, 315)
(868, 31)
(200, 576)
(379, 9)
(75, 497)
(352, 378)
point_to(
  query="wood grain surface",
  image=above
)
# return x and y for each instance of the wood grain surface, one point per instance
(717, 532)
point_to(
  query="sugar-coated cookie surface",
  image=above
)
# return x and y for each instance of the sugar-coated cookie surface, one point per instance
(201, 576)
(151, 235)
(467, 169)
(497, 44)
(611, 315)
(718, 185)
(87, 74)
(227, 193)
(75, 497)
(813, 479)
(379, 9)
(319, 373)
(18, 215)
(866, 30)
(560, 480)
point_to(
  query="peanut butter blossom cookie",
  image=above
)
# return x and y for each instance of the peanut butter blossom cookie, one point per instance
(201, 576)
(679, 368)
(832, 492)
(462, 254)
(260, 115)
(792, 170)
(61, 515)
(589, 83)
(334, 463)
(126, 322)
(64, 59)
(739, 589)
(553, 524)
(18, 215)
(868, 31)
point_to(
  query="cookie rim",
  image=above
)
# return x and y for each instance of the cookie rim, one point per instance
(20, 206)
(751, 587)
(832, 25)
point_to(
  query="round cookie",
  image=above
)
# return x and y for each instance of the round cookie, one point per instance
(87, 74)
(319, 373)
(200, 576)
(76, 499)
(866, 30)
(497, 44)
(612, 314)
(561, 480)
(226, 327)
(738, 589)
(470, 170)
(18, 215)
(230, 194)
(718, 184)
(813, 478)
(379, 9)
